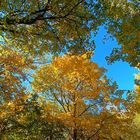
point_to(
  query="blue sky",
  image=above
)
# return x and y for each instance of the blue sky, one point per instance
(121, 72)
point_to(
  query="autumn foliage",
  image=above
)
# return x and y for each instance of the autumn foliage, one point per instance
(49, 86)
(85, 98)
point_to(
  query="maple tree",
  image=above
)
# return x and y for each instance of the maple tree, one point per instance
(85, 97)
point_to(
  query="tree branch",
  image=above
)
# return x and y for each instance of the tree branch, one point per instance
(37, 15)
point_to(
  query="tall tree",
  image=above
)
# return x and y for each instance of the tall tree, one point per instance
(51, 25)
(63, 25)
(86, 98)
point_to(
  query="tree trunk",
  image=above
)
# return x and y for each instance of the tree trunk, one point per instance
(75, 134)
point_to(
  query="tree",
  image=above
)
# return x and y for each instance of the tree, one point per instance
(64, 25)
(137, 125)
(14, 70)
(85, 97)
(124, 26)
(52, 25)
(136, 108)
(137, 81)
(29, 118)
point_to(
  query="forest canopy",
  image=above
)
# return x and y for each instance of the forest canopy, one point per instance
(67, 96)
